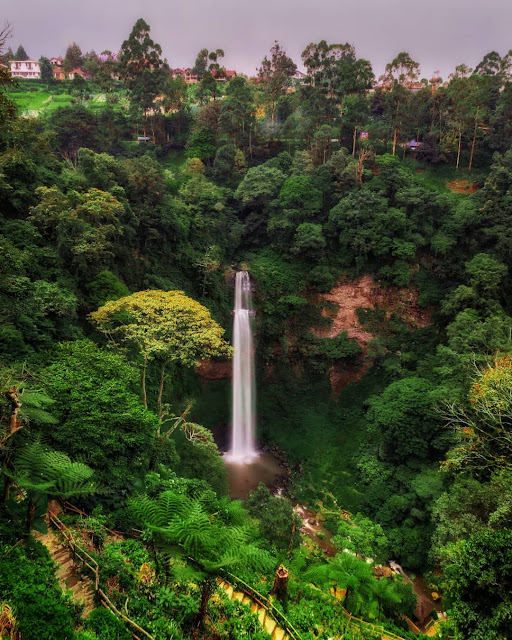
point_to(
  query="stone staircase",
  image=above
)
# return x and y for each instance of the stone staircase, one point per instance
(69, 578)
(266, 620)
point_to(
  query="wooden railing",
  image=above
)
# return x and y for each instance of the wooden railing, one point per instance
(263, 601)
(378, 631)
(76, 550)
(67, 506)
(89, 562)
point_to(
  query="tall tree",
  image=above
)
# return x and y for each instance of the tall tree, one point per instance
(402, 69)
(142, 69)
(237, 115)
(207, 62)
(174, 98)
(73, 58)
(164, 325)
(46, 70)
(275, 75)
(21, 54)
(334, 74)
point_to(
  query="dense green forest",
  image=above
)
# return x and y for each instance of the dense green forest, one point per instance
(117, 259)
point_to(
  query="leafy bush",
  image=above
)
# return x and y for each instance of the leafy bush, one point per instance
(106, 625)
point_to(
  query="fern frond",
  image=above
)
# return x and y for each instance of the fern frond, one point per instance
(37, 415)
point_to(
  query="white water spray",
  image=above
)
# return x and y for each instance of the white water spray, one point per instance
(243, 442)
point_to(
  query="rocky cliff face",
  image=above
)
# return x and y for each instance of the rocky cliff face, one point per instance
(210, 370)
(348, 296)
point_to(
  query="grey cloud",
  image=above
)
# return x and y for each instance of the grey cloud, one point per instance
(438, 33)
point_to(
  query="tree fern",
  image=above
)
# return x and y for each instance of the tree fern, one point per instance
(211, 542)
(40, 471)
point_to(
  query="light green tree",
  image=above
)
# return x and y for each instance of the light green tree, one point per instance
(164, 325)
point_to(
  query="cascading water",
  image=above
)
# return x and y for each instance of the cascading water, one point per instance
(243, 442)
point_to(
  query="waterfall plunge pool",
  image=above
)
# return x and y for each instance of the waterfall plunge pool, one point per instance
(245, 477)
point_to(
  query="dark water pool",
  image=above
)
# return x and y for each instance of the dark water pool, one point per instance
(244, 478)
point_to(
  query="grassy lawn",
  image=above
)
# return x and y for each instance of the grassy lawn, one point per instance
(40, 100)
(33, 102)
(439, 177)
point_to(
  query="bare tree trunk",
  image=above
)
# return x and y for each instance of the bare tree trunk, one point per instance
(280, 587)
(206, 592)
(7, 488)
(458, 150)
(31, 511)
(15, 424)
(354, 142)
(144, 394)
(473, 143)
(395, 136)
(161, 390)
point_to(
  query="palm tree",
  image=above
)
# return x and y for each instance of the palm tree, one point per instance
(210, 538)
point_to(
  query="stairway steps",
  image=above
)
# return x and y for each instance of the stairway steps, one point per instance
(67, 573)
(270, 625)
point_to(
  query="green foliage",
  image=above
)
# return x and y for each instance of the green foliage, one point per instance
(41, 610)
(163, 323)
(404, 420)
(88, 217)
(106, 625)
(477, 574)
(365, 594)
(106, 286)
(202, 145)
(100, 418)
(278, 522)
(339, 347)
(362, 537)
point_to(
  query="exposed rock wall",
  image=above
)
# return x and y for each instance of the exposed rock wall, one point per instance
(350, 295)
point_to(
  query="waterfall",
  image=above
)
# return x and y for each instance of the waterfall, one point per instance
(243, 442)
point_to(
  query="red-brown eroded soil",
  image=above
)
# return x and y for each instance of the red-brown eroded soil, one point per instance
(463, 186)
(363, 292)
(213, 370)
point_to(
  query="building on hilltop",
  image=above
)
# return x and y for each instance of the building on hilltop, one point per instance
(187, 74)
(77, 72)
(223, 75)
(28, 69)
(57, 62)
(58, 73)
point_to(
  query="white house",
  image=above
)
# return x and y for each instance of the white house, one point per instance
(25, 69)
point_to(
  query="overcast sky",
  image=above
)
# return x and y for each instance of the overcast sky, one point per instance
(437, 33)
